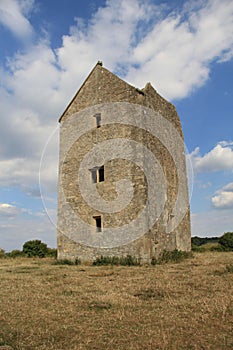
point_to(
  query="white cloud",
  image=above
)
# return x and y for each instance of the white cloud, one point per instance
(13, 234)
(33, 79)
(226, 143)
(8, 210)
(18, 171)
(30, 108)
(11, 211)
(228, 187)
(224, 197)
(212, 223)
(173, 52)
(175, 55)
(12, 16)
(109, 36)
(18, 225)
(218, 159)
(25, 172)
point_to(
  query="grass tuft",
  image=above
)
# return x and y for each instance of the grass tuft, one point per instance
(116, 260)
(146, 294)
(67, 262)
(174, 256)
(100, 306)
(229, 268)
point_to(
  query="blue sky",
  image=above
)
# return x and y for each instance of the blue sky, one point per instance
(184, 48)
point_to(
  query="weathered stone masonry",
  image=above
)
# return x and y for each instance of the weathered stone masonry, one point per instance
(101, 89)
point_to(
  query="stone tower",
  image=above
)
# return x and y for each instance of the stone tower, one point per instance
(122, 173)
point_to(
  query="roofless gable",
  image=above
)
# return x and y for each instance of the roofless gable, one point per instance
(102, 86)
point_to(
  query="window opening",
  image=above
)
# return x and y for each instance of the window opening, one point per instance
(101, 173)
(98, 223)
(97, 174)
(98, 119)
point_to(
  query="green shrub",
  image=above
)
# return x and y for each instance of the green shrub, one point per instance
(130, 261)
(35, 248)
(105, 260)
(199, 241)
(198, 248)
(226, 241)
(173, 256)
(211, 246)
(116, 260)
(219, 248)
(15, 253)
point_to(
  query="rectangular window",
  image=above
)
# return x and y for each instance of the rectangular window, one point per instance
(98, 119)
(101, 173)
(98, 223)
(97, 174)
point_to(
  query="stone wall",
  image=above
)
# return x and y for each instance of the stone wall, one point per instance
(136, 125)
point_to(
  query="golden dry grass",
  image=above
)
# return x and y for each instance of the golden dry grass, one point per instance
(174, 306)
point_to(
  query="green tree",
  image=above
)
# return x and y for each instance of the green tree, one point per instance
(226, 240)
(52, 252)
(35, 248)
(15, 253)
(2, 253)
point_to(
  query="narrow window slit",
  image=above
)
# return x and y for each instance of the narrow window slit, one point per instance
(101, 173)
(98, 119)
(97, 174)
(98, 223)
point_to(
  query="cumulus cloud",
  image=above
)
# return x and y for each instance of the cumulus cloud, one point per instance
(26, 172)
(212, 223)
(8, 210)
(13, 17)
(223, 198)
(175, 55)
(15, 233)
(18, 225)
(11, 211)
(218, 159)
(17, 171)
(173, 50)
(226, 143)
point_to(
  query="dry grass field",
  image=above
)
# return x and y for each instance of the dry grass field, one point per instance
(173, 306)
